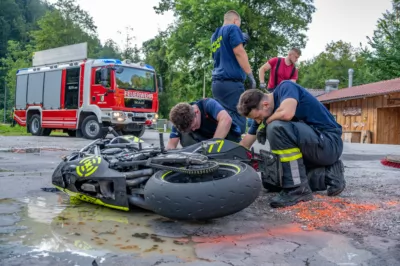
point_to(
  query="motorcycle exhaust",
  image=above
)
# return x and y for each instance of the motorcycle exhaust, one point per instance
(137, 181)
(139, 173)
(139, 202)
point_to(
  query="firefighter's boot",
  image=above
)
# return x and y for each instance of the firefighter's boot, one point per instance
(316, 178)
(292, 196)
(334, 178)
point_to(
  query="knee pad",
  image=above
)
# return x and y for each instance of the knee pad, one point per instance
(270, 168)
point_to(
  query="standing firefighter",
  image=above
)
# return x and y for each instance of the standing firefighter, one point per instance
(304, 138)
(280, 69)
(231, 65)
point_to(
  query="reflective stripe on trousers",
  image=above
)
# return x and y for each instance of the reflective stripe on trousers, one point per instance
(291, 160)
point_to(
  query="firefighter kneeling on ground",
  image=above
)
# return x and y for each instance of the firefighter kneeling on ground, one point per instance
(304, 139)
(199, 121)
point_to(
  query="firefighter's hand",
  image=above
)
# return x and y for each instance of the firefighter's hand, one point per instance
(263, 86)
(252, 81)
(262, 135)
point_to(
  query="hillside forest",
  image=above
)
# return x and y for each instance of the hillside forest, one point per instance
(181, 53)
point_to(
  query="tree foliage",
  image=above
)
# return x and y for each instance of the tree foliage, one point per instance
(181, 54)
(385, 43)
(274, 27)
(334, 63)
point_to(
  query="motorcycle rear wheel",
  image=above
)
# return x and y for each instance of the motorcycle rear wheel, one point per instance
(230, 189)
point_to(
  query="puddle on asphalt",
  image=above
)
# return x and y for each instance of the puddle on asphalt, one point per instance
(56, 224)
(51, 222)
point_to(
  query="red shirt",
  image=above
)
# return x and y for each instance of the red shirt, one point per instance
(284, 72)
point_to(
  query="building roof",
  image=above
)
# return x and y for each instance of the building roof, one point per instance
(316, 92)
(366, 90)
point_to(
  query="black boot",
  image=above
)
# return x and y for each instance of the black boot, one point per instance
(316, 178)
(334, 178)
(288, 197)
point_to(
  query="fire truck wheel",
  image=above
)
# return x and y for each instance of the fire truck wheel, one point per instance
(91, 128)
(35, 125)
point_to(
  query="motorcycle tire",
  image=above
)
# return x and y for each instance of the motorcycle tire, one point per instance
(178, 196)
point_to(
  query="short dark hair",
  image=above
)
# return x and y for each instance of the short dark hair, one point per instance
(250, 100)
(296, 50)
(182, 116)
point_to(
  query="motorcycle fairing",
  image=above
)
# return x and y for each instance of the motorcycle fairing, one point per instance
(217, 148)
(109, 184)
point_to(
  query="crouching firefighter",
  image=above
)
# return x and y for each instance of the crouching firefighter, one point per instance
(304, 138)
(201, 120)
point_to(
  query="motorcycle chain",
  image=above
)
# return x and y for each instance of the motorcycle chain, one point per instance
(207, 168)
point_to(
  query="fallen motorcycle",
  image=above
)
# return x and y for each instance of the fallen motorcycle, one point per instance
(204, 181)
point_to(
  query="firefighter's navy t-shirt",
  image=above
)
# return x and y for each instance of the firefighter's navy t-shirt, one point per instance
(212, 108)
(226, 66)
(309, 109)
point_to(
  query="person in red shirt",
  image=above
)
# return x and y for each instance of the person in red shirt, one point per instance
(281, 69)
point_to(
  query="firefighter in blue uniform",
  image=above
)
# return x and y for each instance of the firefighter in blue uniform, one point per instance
(201, 120)
(305, 141)
(231, 65)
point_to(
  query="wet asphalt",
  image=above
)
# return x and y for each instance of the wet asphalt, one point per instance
(44, 228)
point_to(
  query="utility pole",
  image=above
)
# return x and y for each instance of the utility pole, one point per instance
(5, 100)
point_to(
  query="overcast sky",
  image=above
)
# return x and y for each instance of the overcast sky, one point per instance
(348, 20)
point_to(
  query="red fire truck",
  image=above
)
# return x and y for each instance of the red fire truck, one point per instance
(66, 90)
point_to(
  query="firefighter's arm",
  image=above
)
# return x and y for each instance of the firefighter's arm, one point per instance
(215, 109)
(248, 140)
(224, 124)
(174, 138)
(172, 143)
(262, 70)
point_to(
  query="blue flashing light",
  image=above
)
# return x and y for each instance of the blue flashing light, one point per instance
(111, 61)
(21, 69)
(148, 66)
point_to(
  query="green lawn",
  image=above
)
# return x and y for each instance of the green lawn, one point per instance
(7, 130)
(161, 130)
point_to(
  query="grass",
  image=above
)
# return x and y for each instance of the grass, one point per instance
(161, 130)
(7, 130)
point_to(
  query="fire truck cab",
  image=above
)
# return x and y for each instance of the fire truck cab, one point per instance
(66, 90)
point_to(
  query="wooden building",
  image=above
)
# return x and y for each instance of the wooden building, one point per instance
(368, 113)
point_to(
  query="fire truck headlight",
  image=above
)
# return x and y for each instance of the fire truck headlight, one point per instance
(120, 119)
(156, 116)
(117, 114)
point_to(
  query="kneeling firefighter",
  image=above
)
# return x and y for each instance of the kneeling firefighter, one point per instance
(304, 138)
(201, 120)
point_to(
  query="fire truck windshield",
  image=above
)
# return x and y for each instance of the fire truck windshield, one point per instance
(129, 78)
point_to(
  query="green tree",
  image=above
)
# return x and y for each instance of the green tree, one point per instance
(274, 27)
(66, 25)
(18, 56)
(155, 54)
(110, 49)
(334, 63)
(384, 57)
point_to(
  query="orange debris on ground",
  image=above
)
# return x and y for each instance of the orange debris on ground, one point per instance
(327, 211)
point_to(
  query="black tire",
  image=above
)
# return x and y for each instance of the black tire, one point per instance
(209, 199)
(35, 125)
(90, 123)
